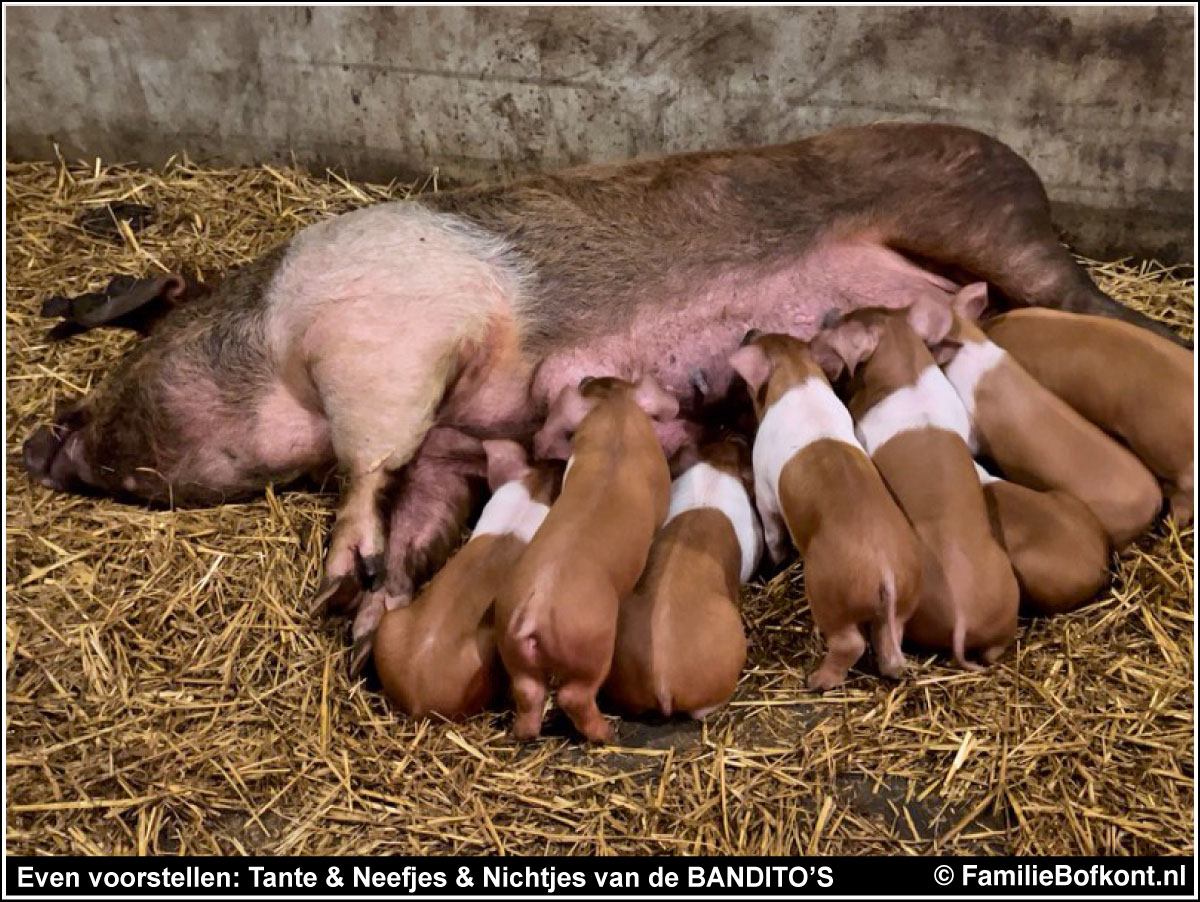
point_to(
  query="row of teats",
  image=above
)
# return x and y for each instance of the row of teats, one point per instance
(933, 494)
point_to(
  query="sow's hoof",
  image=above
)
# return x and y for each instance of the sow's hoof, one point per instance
(338, 595)
(127, 302)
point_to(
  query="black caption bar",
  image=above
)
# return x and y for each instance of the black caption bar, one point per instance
(44, 878)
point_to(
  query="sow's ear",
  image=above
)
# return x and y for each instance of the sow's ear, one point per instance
(506, 462)
(751, 363)
(127, 303)
(658, 403)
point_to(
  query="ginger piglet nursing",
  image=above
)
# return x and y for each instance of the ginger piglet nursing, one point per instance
(913, 425)
(438, 655)
(1058, 549)
(680, 643)
(556, 614)
(1036, 439)
(1129, 382)
(862, 562)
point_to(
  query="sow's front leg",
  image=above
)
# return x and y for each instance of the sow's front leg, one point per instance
(434, 496)
(377, 311)
(380, 406)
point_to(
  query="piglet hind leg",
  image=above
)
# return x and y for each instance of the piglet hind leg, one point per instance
(1181, 499)
(529, 696)
(888, 654)
(775, 536)
(578, 700)
(846, 646)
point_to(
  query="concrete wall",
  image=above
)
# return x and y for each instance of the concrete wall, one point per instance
(1100, 100)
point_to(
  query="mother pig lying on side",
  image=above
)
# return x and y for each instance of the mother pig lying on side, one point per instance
(392, 339)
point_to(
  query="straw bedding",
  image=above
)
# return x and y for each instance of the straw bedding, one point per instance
(168, 693)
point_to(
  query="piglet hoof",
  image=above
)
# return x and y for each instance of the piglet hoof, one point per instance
(1181, 509)
(822, 680)
(335, 595)
(992, 654)
(599, 733)
(527, 726)
(702, 713)
(893, 670)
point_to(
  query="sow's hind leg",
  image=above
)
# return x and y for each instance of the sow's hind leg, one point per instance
(967, 201)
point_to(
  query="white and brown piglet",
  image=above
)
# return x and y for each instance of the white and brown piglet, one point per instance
(1128, 381)
(1058, 549)
(1035, 438)
(556, 614)
(438, 655)
(812, 479)
(912, 423)
(680, 643)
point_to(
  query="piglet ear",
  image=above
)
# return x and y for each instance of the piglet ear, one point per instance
(849, 344)
(567, 411)
(658, 403)
(751, 363)
(506, 462)
(570, 407)
(930, 319)
(944, 351)
(971, 300)
(685, 458)
(829, 360)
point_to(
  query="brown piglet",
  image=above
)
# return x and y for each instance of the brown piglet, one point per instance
(862, 561)
(1035, 438)
(438, 655)
(1128, 381)
(556, 614)
(680, 643)
(912, 423)
(1058, 549)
